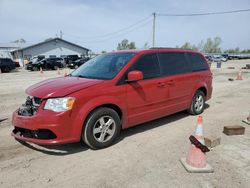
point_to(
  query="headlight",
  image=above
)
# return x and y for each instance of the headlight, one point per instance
(59, 104)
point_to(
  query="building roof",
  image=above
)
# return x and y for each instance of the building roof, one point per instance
(5, 54)
(12, 45)
(54, 39)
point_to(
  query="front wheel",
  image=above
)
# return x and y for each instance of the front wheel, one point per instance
(101, 128)
(198, 103)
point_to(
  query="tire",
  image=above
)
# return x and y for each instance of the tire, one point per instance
(198, 103)
(97, 133)
(55, 67)
(6, 69)
(34, 69)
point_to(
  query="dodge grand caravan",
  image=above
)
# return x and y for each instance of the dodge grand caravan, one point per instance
(111, 92)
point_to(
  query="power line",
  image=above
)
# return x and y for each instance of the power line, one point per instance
(121, 34)
(206, 13)
(145, 21)
(115, 32)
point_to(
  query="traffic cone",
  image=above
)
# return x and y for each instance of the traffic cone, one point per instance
(239, 75)
(58, 71)
(196, 158)
(247, 120)
(65, 73)
(41, 70)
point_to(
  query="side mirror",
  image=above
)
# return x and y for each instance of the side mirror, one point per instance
(134, 76)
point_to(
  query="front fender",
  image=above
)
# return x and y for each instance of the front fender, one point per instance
(93, 104)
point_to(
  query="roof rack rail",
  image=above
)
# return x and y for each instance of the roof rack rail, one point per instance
(162, 48)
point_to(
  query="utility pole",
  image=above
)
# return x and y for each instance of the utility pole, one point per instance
(154, 17)
(61, 34)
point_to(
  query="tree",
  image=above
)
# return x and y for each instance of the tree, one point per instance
(124, 45)
(187, 45)
(20, 41)
(233, 51)
(246, 51)
(211, 46)
(48, 39)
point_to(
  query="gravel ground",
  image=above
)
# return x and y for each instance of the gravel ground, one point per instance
(144, 156)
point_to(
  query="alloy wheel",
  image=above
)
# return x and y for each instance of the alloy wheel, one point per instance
(104, 129)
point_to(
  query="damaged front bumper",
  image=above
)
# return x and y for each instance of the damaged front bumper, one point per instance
(44, 127)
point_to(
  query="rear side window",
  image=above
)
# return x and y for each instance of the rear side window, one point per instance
(173, 63)
(149, 66)
(197, 62)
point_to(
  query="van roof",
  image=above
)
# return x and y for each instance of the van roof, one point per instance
(155, 49)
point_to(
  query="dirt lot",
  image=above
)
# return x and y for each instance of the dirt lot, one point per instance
(144, 156)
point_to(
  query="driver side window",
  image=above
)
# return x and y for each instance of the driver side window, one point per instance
(148, 65)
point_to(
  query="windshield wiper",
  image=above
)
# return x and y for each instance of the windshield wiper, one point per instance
(80, 76)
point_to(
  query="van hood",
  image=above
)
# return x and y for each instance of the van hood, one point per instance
(60, 87)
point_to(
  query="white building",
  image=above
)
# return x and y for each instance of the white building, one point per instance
(7, 48)
(52, 47)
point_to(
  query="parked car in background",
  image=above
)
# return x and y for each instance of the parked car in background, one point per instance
(111, 92)
(70, 58)
(208, 57)
(218, 58)
(17, 64)
(6, 64)
(37, 58)
(226, 56)
(77, 63)
(34, 60)
(47, 63)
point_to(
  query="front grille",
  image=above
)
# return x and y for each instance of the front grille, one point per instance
(30, 107)
(36, 101)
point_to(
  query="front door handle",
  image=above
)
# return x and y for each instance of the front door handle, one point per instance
(170, 82)
(161, 84)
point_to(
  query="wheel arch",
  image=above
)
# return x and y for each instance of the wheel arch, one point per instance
(203, 89)
(91, 106)
(111, 106)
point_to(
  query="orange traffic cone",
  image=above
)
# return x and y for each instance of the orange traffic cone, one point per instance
(41, 70)
(196, 158)
(58, 71)
(65, 73)
(247, 120)
(239, 75)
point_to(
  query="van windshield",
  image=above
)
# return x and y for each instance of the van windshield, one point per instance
(104, 67)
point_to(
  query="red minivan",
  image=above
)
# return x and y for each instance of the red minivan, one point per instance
(111, 92)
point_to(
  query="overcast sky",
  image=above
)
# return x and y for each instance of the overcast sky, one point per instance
(86, 21)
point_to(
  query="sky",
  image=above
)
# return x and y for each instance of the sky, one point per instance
(101, 25)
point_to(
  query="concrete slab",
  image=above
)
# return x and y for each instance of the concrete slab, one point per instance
(234, 130)
(206, 169)
(211, 141)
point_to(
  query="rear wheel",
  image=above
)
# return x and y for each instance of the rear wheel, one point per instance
(198, 103)
(101, 128)
(6, 69)
(34, 69)
(55, 67)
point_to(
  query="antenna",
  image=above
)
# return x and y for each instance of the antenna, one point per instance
(61, 34)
